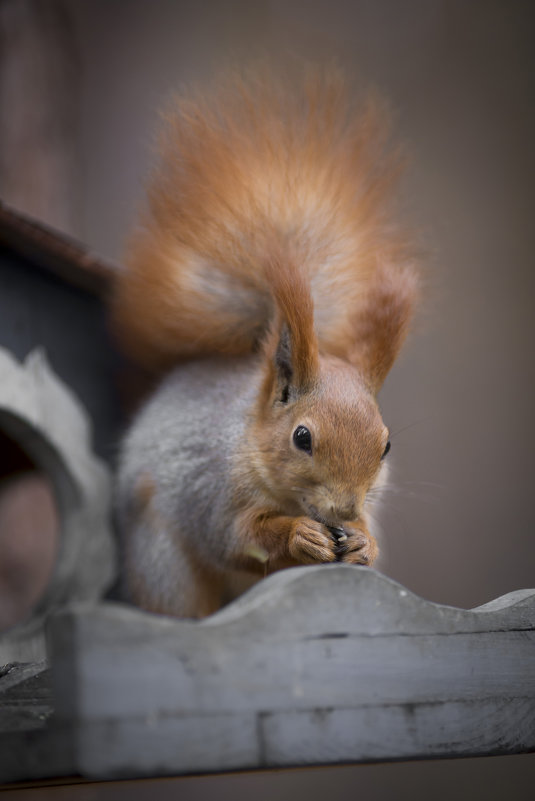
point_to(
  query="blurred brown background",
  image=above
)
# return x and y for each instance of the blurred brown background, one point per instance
(459, 524)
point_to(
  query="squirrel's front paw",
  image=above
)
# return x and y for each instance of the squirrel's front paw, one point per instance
(311, 542)
(360, 548)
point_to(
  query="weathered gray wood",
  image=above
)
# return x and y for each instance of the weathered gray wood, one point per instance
(30, 748)
(41, 413)
(314, 665)
(49, 303)
(25, 696)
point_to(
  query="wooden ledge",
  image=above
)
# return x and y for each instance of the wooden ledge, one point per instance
(319, 665)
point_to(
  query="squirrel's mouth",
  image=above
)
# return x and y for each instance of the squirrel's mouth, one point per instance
(313, 512)
(338, 532)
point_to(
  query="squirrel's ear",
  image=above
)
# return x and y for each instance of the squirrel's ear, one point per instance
(291, 347)
(382, 322)
(292, 364)
(284, 371)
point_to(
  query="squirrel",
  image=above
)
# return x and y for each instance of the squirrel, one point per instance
(271, 285)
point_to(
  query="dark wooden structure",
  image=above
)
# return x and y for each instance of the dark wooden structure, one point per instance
(53, 325)
(51, 295)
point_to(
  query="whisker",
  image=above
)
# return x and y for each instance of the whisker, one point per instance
(399, 431)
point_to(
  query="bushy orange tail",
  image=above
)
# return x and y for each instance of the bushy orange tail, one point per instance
(258, 171)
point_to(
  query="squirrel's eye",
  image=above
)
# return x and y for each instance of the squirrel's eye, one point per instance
(303, 439)
(387, 448)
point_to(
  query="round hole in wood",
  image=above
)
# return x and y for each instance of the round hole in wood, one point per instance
(29, 532)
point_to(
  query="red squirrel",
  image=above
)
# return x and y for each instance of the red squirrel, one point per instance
(270, 282)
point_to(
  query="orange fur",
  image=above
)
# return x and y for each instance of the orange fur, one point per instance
(264, 187)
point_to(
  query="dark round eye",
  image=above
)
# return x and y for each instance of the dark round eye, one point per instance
(387, 448)
(303, 439)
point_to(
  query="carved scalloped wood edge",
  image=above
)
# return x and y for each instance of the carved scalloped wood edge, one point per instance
(351, 595)
(316, 665)
(43, 415)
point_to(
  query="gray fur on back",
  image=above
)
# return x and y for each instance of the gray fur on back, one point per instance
(182, 445)
(184, 440)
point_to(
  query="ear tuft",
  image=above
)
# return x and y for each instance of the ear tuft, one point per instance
(284, 375)
(283, 359)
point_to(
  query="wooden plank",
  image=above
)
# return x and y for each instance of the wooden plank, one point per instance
(25, 696)
(55, 252)
(315, 665)
(29, 746)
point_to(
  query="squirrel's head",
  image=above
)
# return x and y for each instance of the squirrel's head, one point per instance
(318, 440)
(321, 447)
